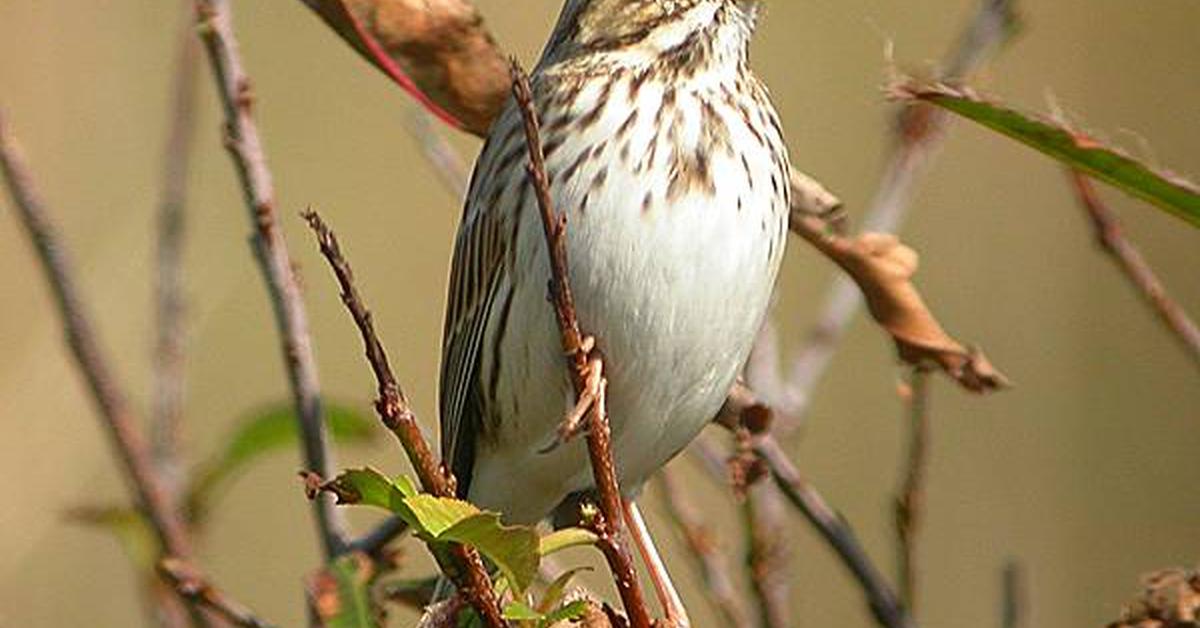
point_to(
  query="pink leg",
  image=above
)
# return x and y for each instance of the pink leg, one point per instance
(664, 589)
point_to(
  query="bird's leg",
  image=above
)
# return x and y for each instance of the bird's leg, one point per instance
(664, 589)
(574, 422)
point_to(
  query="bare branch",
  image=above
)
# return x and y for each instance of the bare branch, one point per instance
(170, 344)
(704, 549)
(242, 139)
(836, 531)
(1013, 611)
(911, 496)
(767, 555)
(584, 368)
(1111, 238)
(919, 134)
(192, 586)
(110, 399)
(396, 413)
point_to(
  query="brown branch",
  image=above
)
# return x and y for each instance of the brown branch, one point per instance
(583, 367)
(215, 25)
(837, 533)
(110, 399)
(397, 415)
(767, 556)
(704, 549)
(1111, 238)
(171, 334)
(920, 131)
(911, 496)
(190, 584)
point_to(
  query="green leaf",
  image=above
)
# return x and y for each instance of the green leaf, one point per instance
(268, 431)
(128, 526)
(367, 487)
(519, 611)
(560, 540)
(557, 589)
(514, 549)
(1074, 149)
(567, 612)
(340, 594)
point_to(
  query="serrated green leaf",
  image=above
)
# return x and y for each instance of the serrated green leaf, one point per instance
(340, 594)
(1171, 193)
(560, 540)
(514, 549)
(268, 431)
(435, 515)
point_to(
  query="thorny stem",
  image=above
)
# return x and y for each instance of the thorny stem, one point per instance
(608, 526)
(397, 415)
(245, 148)
(1111, 238)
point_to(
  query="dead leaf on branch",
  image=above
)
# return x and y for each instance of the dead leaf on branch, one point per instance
(1171, 599)
(439, 51)
(883, 268)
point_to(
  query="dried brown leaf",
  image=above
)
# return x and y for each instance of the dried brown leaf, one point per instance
(439, 51)
(883, 267)
(1170, 599)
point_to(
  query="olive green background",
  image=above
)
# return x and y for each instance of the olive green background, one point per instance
(1085, 472)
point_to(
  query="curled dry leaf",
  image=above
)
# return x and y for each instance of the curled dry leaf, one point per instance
(1171, 599)
(883, 268)
(439, 51)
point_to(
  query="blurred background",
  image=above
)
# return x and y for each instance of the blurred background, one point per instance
(1084, 473)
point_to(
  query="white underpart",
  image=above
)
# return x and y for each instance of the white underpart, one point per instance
(675, 297)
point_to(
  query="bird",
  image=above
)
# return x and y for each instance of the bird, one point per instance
(667, 158)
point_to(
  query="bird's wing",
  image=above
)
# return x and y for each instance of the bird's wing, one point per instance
(476, 281)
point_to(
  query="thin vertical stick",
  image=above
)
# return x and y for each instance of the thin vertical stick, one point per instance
(703, 549)
(586, 371)
(397, 415)
(110, 399)
(169, 351)
(911, 495)
(242, 139)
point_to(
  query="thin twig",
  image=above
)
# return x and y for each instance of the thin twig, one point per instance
(911, 496)
(1013, 597)
(442, 157)
(396, 413)
(767, 556)
(920, 131)
(582, 363)
(192, 586)
(704, 549)
(1111, 238)
(242, 139)
(110, 399)
(836, 531)
(170, 345)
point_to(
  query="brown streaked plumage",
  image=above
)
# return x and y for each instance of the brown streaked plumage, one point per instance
(666, 155)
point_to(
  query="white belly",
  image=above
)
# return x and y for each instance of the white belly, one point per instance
(674, 291)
